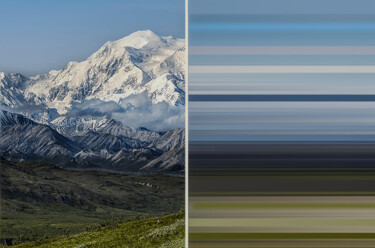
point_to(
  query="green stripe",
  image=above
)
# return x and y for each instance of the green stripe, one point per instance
(283, 205)
(282, 222)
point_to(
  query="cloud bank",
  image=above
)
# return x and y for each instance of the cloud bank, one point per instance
(135, 111)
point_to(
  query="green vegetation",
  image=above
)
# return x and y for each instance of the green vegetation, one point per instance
(164, 232)
(41, 201)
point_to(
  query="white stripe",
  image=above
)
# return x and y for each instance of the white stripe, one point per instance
(281, 69)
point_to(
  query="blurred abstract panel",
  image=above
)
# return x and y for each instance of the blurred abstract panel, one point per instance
(281, 123)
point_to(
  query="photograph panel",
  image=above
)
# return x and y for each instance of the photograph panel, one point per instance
(92, 101)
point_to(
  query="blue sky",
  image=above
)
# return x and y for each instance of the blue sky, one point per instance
(281, 7)
(41, 35)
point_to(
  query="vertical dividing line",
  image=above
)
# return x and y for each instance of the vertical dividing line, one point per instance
(186, 124)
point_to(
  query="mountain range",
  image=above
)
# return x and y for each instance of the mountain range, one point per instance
(120, 109)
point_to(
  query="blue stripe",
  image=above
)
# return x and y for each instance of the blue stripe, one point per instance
(285, 27)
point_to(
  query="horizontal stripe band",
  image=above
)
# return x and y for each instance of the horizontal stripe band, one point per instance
(281, 69)
(282, 50)
(282, 98)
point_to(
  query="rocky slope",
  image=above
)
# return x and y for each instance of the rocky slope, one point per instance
(91, 113)
(89, 147)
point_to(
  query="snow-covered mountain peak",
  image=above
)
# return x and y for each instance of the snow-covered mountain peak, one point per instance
(141, 48)
(142, 65)
(91, 113)
(138, 39)
(12, 87)
(15, 78)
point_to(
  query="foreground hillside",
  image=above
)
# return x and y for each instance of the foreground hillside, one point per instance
(42, 201)
(167, 231)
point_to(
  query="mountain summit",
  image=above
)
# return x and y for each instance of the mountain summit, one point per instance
(121, 109)
(141, 65)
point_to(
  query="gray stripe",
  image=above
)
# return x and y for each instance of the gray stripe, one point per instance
(281, 69)
(282, 50)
